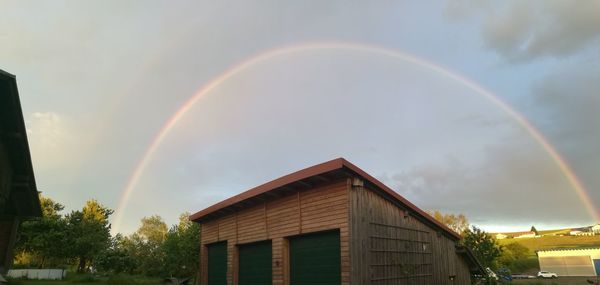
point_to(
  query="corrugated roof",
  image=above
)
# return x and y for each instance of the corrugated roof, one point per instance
(319, 169)
(568, 249)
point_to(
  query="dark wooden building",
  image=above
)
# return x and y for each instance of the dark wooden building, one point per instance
(331, 223)
(18, 194)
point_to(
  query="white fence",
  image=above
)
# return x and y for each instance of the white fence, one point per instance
(45, 274)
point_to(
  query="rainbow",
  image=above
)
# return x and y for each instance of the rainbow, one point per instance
(364, 48)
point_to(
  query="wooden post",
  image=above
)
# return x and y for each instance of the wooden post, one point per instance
(285, 262)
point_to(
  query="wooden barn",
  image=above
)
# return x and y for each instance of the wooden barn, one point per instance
(331, 223)
(18, 194)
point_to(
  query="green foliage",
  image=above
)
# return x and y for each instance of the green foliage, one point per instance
(181, 248)
(514, 256)
(89, 233)
(153, 230)
(483, 246)
(82, 238)
(43, 240)
(533, 229)
(116, 258)
(457, 223)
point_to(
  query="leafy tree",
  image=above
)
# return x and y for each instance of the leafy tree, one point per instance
(153, 229)
(181, 248)
(116, 258)
(483, 246)
(458, 223)
(89, 233)
(514, 256)
(533, 229)
(145, 245)
(43, 239)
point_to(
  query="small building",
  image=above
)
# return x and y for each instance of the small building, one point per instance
(595, 229)
(525, 235)
(331, 223)
(581, 233)
(18, 193)
(570, 262)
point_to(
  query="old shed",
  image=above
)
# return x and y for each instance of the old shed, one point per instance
(331, 223)
(18, 193)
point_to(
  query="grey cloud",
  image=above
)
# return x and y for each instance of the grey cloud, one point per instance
(525, 30)
(516, 183)
(567, 105)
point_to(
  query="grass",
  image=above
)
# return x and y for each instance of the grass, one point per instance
(553, 242)
(74, 279)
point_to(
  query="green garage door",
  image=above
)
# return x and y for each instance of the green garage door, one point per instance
(315, 259)
(217, 263)
(255, 264)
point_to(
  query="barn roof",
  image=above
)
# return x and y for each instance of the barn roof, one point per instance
(24, 200)
(325, 171)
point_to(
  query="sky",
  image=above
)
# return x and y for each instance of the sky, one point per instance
(98, 80)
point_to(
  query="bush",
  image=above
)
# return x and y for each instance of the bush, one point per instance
(120, 279)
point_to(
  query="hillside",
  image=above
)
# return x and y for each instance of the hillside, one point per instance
(552, 242)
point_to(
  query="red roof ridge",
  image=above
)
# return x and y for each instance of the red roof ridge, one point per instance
(334, 164)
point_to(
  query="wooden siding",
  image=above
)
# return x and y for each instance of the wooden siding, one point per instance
(6, 174)
(313, 210)
(390, 246)
(8, 230)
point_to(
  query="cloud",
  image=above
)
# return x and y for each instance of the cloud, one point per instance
(526, 30)
(566, 104)
(516, 183)
(45, 130)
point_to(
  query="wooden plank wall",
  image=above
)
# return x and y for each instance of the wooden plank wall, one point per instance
(6, 174)
(7, 238)
(390, 246)
(313, 210)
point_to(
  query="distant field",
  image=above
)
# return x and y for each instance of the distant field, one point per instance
(551, 242)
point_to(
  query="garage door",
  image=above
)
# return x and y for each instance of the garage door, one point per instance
(255, 263)
(217, 263)
(315, 259)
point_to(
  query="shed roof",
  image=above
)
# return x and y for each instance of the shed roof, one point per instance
(339, 164)
(24, 200)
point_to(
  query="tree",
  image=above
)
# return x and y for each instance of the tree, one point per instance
(145, 245)
(43, 239)
(153, 229)
(514, 256)
(181, 248)
(457, 223)
(89, 233)
(116, 258)
(483, 246)
(533, 229)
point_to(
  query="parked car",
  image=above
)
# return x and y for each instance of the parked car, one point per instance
(546, 274)
(522, 276)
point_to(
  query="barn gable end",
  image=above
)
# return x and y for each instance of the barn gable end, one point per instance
(379, 236)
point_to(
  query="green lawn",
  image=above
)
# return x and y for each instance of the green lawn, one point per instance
(552, 242)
